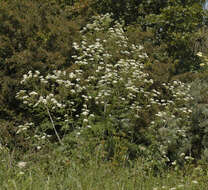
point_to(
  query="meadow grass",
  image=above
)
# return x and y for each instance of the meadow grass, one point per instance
(51, 171)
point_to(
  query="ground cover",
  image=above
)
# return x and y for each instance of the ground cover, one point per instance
(53, 171)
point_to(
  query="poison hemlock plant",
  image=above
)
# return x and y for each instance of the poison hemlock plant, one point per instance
(106, 103)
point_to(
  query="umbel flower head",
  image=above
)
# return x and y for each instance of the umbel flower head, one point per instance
(21, 164)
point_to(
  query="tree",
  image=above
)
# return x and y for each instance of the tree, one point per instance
(176, 25)
(173, 22)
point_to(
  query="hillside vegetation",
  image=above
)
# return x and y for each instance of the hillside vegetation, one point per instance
(103, 87)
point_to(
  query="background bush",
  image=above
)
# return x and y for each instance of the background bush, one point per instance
(173, 23)
(34, 35)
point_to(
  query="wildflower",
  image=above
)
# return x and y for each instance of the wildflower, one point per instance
(160, 114)
(174, 163)
(38, 147)
(85, 120)
(78, 133)
(21, 164)
(43, 81)
(24, 97)
(151, 81)
(202, 65)
(199, 54)
(59, 105)
(37, 72)
(72, 91)
(33, 93)
(21, 173)
(188, 158)
(175, 82)
(85, 113)
(152, 123)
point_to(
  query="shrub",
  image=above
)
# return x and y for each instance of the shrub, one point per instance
(106, 104)
(182, 136)
(34, 35)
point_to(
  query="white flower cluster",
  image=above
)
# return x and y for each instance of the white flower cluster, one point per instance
(105, 80)
(33, 99)
(24, 127)
(39, 140)
(173, 122)
(58, 78)
(126, 79)
(178, 104)
(30, 75)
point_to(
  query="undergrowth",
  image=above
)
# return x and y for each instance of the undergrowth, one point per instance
(54, 171)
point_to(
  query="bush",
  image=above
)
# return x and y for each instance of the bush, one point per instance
(107, 104)
(34, 35)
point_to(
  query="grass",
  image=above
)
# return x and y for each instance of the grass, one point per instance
(54, 171)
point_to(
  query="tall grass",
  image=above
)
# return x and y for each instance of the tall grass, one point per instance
(51, 171)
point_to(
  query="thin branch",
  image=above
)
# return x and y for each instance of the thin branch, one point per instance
(54, 128)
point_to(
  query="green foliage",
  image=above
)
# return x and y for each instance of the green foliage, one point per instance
(185, 135)
(201, 40)
(122, 10)
(33, 35)
(66, 2)
(108, 104)
(175, 26)
(173, 23)
(199, 131)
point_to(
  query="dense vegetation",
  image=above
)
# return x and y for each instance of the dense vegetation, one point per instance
(104, 82)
